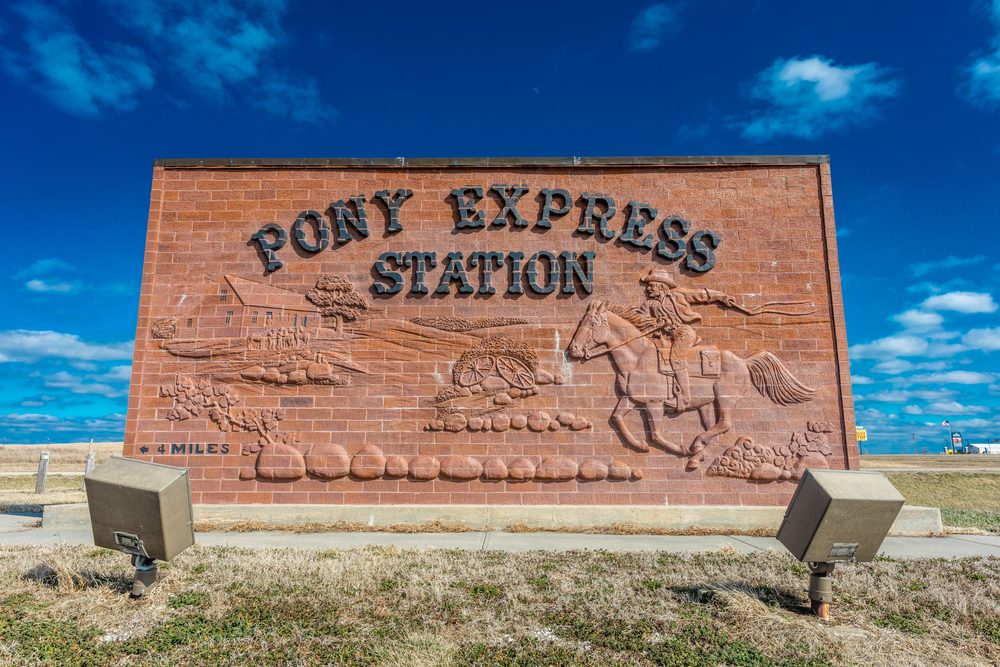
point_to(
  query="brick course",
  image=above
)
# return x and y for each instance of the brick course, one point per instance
(778, 245)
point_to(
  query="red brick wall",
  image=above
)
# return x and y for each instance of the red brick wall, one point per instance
(381, 374)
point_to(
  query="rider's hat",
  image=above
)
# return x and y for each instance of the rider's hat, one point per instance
(658, 276)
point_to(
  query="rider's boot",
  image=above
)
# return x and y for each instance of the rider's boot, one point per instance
(683, 389)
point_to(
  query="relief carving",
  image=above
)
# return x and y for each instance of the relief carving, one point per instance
(663, 368)
(463, 324)
(164, 328)
(764, 463)
(270, 335)
(488, 381)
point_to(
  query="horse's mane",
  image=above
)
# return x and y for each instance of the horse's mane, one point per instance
(640, 322)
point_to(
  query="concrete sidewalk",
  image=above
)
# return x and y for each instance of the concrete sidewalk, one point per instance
(19, 530)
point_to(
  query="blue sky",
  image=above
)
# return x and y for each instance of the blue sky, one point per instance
(905, 97)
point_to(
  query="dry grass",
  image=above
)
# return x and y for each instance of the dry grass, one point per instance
(17, 493)
(967, 500)
(62, 457)
(391, 607)
(984, 462)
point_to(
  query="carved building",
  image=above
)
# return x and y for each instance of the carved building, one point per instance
(625, 331)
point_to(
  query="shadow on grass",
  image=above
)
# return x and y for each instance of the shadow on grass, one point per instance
(769, 595)
(64, 579)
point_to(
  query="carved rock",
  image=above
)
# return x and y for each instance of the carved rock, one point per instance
(556, 469)
(461, 467)
(502, 399)
(565, 418)
(495, 383)
(253, 373)
(424, 467)
(247, 472)
(280, 463)
(579, 424)
(271, 375)
(455, 422)
(593, 470)
(465, 391)
(518, 421)
(619, 471)
(501, 423)
(559, 378)
(318, 371)
(328, 461)
(553, 425)
(475, 423)
(539, 421)
(396, 466)
(811, 460)
(766, 472)
(369, 463)
(521, 470)
(543, 377)
(637, 474)
(495, 469)
(297, 377)
(487, 424)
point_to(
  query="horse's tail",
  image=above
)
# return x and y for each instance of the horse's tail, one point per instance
(773, 380)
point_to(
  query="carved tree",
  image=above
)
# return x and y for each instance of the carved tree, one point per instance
(337, 299)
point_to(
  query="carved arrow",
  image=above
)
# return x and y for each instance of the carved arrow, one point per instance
(144, 449)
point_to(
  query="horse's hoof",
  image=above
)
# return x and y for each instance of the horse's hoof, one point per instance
(638, 446)
(693, 464)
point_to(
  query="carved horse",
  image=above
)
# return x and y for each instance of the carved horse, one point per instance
(639, 382)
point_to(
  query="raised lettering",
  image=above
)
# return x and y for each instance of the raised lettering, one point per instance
(393, 204)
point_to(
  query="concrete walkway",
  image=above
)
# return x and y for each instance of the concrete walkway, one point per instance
(20, 530)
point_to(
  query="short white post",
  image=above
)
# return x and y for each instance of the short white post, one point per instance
(43, 468)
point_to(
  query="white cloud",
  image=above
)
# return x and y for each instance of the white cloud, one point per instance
(60, 287)
(652, 25)
(897, 366)
(982, 84)
(890, 347)
(78, 385)
(70, 72)
(913, 410)
(26, 345)
(292, 97)
(940, 265)
(947, 408)
(919, 320)
(115, 374)
(41, 267)
(861, 379)
(955, 377)
(987, 340)
(35, 427)
(962, 302)
(809, 97)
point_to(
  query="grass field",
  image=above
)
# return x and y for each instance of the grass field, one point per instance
(62, 457)
(984, 462)
(219, 606)
(967, 500)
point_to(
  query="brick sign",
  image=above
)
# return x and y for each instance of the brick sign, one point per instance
(633, 331)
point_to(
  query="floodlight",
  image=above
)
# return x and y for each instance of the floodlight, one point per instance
(837, 515)
(142, 509)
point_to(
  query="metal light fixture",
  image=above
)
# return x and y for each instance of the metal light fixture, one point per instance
(837, 516)
(142, 509)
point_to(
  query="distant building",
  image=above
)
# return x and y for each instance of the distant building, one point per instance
(241, 308)
(982, 448)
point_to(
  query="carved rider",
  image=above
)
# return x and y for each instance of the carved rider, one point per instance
(670, 307)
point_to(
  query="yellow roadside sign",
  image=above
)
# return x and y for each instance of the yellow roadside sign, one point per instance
(862, 434)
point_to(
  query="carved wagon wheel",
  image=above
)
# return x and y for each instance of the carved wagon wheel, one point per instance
(476, 370)
(516, 372)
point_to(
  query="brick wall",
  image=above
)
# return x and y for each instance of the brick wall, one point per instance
(476, 399)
